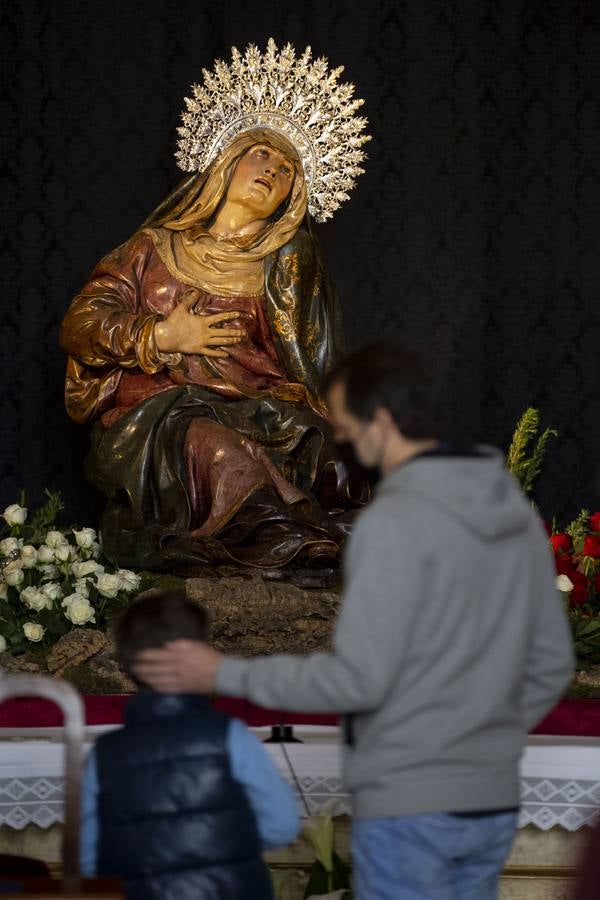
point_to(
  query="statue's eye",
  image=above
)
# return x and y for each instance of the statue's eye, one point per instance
(262, 151)
(285, 170)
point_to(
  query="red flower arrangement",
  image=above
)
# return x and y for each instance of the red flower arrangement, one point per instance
(577, 556)
(576, 549)
(562, 543)
(591, 546)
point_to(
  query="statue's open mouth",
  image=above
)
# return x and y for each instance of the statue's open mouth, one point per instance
(265, 182)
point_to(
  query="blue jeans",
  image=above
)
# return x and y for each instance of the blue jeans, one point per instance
(431, 857)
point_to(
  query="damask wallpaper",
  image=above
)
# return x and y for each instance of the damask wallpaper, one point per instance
(475, 232)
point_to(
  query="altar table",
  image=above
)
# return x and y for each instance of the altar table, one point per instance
(560, 776)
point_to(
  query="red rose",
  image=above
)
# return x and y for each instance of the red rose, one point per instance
(561, 543)
(579, 594)
(564, 564)
(597, 584)
(591, 545)
(595, 522)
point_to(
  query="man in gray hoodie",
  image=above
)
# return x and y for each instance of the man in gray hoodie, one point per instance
(450, 646)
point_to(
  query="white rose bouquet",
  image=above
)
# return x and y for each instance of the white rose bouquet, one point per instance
(51, 580)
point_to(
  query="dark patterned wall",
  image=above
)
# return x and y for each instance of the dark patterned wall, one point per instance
(474, 232)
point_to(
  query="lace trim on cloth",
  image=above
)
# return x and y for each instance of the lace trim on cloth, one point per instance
(313, 769)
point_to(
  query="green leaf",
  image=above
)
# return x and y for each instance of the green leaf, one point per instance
(340, 873)
(54, 622)
(534, 464)
(18, 643)
(319, 833)
(320, 881)
(525, 430)
(578, 529)
(527, 468)
(586, 639)
(44, 518)
(10, 629)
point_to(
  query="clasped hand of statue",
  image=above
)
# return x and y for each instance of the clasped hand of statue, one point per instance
(183, 332)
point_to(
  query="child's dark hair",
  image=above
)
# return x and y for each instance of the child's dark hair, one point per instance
(154, 618)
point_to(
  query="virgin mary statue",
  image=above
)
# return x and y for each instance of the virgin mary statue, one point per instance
(197, 349)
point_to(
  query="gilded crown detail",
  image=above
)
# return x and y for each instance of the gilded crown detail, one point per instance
(296, 96)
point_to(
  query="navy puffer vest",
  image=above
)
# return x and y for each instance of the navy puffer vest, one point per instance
(174, 824)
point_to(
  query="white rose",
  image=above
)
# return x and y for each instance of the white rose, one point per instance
(15, 514)
(85, 538)
(33, 631)
(63, 553)
(45, 554)
(29, 556)
(2, 643)
(55, 539)
(108, 585)
(128, 581)
(3, 590)
(564, 583)
(48, 572)
(52, 590)
(95, 550)
(89, 567)
(78, 610)
(8, 546)
(82, 587)
(35, 599)
(13, 573)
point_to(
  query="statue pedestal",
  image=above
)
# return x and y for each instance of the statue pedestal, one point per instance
(251, 616)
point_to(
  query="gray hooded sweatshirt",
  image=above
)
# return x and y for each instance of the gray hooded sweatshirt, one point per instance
(451, 642)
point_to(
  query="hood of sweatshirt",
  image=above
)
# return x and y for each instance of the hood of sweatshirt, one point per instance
(475, 489)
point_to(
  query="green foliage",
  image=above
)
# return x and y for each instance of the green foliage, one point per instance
(586, 640)
(51, 580)
(328, 873)
(321, 881)
(526, 452)
(578, 691)
(578, 530)
(42, 519)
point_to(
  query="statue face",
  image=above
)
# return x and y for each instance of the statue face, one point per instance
(262, 180)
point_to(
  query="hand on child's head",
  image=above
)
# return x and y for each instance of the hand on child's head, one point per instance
(178, 667)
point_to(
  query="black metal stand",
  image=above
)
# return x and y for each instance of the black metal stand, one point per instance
(282, 734)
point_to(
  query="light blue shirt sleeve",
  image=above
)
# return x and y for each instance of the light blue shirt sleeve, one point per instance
(270, 797)
(89, 831)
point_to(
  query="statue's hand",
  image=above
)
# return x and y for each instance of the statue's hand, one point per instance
(183, 332)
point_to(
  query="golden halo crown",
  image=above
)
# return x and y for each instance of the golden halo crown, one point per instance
(297, 97)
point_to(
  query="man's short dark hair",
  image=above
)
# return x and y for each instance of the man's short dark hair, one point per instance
(155, 617)
(392, 377)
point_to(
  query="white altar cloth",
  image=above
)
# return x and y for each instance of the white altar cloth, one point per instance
(560, 776)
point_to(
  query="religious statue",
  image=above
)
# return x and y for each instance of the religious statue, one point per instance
(197, 349)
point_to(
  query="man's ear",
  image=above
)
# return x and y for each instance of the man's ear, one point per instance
(384, 419)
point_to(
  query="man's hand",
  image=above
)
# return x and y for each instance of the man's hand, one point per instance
(180, 667)
(183, 332)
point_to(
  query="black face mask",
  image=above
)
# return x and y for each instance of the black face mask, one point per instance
(356, 470)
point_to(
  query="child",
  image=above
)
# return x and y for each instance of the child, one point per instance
(180, 800)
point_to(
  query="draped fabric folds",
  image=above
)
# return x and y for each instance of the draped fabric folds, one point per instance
(210, 460)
